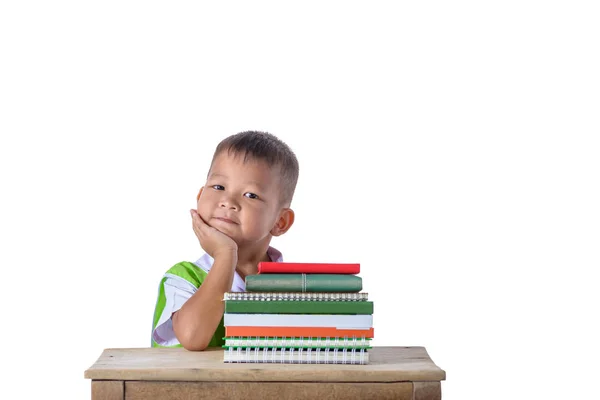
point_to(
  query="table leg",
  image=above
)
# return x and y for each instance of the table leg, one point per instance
(108, 390)
(427, 391)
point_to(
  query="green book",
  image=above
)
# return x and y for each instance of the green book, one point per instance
(298, 307)
(303, 283)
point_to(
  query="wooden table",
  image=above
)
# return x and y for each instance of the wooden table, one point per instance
(155, 373)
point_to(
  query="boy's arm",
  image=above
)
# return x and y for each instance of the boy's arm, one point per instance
(196, 321)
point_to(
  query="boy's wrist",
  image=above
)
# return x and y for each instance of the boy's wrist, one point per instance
(230, 255)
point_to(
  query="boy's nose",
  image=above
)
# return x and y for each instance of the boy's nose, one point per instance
(227, 202)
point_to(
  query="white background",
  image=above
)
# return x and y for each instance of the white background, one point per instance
(449, 147)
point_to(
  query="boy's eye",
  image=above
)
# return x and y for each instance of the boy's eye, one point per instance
(218, 187)
(251, 195)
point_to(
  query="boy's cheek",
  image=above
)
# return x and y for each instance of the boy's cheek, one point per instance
(204, 214)
(201, 207)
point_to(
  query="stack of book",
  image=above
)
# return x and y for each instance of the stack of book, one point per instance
(299, 313)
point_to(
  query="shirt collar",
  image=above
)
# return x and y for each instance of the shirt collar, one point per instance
(239, 285)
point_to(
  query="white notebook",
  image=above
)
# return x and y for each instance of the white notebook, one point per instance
(338, 321)
(296, 356)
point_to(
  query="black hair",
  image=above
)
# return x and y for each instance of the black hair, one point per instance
(263, 146)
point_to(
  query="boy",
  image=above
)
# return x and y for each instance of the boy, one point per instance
(244, 203)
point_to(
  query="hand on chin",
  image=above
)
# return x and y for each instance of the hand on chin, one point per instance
(223, 230)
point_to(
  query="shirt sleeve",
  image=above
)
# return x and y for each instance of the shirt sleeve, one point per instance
(174, 291)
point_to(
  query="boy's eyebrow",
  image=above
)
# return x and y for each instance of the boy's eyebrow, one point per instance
(255, 183)
(215, 175)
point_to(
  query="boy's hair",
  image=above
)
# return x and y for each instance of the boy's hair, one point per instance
(265, 147)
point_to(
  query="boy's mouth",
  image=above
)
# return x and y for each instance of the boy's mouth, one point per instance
(226, 220)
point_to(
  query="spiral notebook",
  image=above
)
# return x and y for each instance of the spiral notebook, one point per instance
(298, 307)
(296, 331)
(294, 327)
(296, 356)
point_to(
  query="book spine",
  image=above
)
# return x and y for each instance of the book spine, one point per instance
(270, 267)
(294, 331)
(295, 296)
(303, 283)
(299, 307)
(296, 356)
(300, 320)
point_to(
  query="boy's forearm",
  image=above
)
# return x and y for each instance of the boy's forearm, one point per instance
(195, 323)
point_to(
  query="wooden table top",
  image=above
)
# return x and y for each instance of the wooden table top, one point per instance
(386, 364)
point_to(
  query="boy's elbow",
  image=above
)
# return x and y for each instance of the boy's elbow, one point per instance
(191, 346)
(192, 342)
(191, 338)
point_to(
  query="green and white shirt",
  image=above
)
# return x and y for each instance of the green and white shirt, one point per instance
(178, 284)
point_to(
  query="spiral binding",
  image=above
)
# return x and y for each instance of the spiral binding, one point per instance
(295, 296)
(296, 356)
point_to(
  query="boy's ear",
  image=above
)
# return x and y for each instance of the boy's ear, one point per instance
(199, 193)
(284, 222)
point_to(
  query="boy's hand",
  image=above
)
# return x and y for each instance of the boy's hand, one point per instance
(212, 240)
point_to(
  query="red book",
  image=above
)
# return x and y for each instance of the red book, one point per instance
(265, 267)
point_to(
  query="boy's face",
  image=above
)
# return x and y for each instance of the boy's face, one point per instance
(241, 199)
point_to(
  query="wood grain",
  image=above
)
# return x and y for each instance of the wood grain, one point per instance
(137, 390)
(387, 364)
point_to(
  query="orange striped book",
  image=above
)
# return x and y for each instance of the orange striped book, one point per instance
(292, 331)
